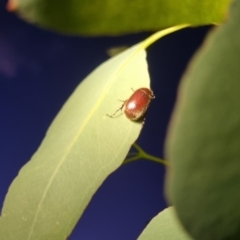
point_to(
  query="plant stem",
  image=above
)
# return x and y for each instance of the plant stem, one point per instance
(143, 155)
(146, 43)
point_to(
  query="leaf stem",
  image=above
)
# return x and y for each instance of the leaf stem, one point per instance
(141, 154)
(146, 43)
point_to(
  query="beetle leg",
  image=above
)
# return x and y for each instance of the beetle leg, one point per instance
(120, 109)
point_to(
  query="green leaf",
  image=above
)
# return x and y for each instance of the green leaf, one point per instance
(203, 143)
(81, 148)
(165, 226)
(108, 17)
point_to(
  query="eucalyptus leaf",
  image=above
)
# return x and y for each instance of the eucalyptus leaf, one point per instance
(203, 143)
(164, 226)
(108, 17)
(81, 148)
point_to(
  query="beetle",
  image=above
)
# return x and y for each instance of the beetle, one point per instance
(136, 106)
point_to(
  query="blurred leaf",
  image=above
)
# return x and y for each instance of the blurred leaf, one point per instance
(204, 139)
(113, 51)
(165, 226)
(108, 17)
(81, 148)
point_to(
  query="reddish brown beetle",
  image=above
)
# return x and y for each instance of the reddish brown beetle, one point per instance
(136, 106)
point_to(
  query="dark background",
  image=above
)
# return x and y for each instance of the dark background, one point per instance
(39, 69)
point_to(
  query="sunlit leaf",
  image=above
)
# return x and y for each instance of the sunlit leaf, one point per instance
(165, 226)
(204, 138)
(81, 148)
(120, 16)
